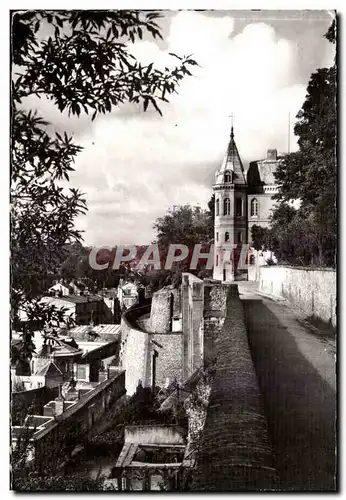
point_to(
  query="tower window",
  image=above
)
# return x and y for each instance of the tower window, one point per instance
(238, 207)
(227, 236)
(217, 207)
(227, 177)
(254, 208)
(252, 259)
(226, 206)
(217, 236)
(217, 260)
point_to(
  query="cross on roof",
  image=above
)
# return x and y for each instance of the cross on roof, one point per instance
(231, 116)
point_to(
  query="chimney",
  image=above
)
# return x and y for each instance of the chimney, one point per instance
(59, 404)
(272, 154)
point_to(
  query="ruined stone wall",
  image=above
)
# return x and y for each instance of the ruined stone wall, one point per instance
(235, 452)
(312, 290)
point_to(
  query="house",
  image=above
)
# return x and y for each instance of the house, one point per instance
(82, 308)
(243, 199)
(127, 294)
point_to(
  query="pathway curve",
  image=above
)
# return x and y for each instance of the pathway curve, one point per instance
(295, 367)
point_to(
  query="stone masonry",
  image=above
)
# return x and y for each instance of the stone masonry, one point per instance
(235, 453)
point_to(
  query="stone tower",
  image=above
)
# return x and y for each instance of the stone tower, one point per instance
(230, 227)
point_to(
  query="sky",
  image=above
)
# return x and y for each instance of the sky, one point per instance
(136, 165)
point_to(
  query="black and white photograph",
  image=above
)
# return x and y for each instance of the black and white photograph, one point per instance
(173, 250)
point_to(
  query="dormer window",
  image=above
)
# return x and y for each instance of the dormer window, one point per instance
(227, 177)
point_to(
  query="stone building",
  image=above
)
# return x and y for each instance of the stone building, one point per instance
(242, 200)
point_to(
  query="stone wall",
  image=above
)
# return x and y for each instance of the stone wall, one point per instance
(134, 351)
(192, 321)
(214, 313)
(169, 363)
(82, 416)
(154, 434)
(235, 453)
(312, 290)
(35, 398)
(161, 311)
(137, 345)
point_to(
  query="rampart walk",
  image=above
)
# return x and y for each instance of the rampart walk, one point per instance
(235, 453)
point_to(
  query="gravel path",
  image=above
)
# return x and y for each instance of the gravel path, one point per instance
(295, 367)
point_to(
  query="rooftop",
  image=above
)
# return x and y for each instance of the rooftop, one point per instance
(50, 369)
(104, 332)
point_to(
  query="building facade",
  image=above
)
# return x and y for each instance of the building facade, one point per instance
(242, 200)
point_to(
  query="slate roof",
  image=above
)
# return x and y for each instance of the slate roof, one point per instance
(49, 370)
(233, 163)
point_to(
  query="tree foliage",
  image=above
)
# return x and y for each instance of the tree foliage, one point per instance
(80, 61)
(310, 174)
(185, 225)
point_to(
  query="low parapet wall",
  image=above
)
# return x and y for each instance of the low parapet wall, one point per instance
(235, 454)
(312, 290)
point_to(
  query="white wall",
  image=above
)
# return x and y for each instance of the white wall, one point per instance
(312, 290)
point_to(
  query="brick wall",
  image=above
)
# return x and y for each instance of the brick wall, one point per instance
(235, 454)
(312, 290)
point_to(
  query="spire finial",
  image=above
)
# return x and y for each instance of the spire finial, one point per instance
(232, 116)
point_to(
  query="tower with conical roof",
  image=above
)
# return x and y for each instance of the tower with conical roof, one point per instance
(230, 226)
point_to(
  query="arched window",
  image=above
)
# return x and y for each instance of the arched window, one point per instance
(217, 236)
(227, 177)
(254, 208)
(217, 260)
(227, 236)
(226, 206)
(217, 207)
